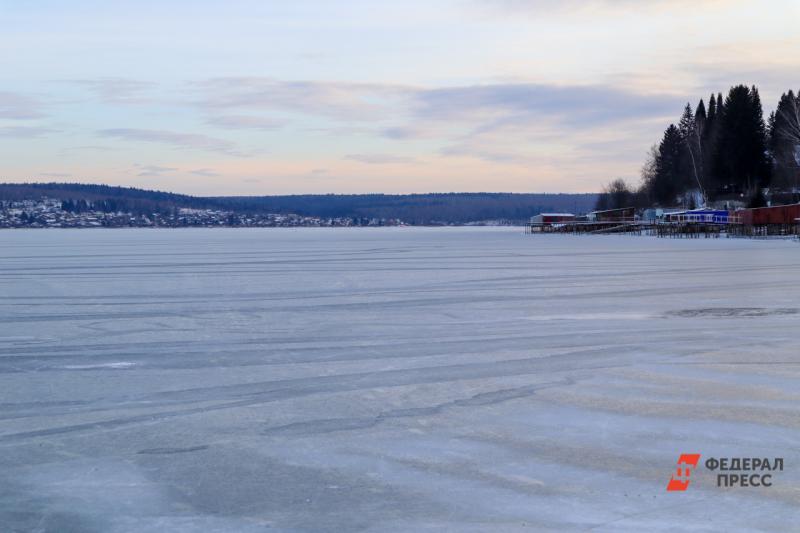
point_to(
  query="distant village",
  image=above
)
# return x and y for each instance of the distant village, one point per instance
(56, 213)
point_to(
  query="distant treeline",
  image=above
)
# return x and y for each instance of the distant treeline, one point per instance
(725, 151)
(433, 208)
(448, 208)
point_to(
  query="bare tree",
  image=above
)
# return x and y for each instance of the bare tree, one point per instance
(788, 128)
(691, 137)
(649, 175)
(785, 140)
(615, 195)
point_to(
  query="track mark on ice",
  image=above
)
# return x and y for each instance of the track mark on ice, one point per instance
(314, 427)
(170, 451)
(728, 312)
(100, 366)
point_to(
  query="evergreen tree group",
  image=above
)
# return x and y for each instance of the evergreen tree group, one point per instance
(723, 151)
(784, 146)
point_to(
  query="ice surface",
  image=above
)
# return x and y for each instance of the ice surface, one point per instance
(392, 379)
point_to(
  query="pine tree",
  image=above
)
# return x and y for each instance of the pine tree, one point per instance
(712, 110)
(700, 118)
(692, 150)
(709, 143)
(772, 144)
(668, 179)
(686, 125)
(762, 166)
(741, 158)
(728, 148)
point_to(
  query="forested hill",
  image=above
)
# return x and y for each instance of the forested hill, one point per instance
(452, 208)
(433, 208)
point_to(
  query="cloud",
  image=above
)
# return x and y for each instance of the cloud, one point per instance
(426, 110)
(408, 133)
(575, 105)
(118, 90)
(399, 133)
(495, 122)
(242, 122)
(487, 153)
(71, 151)
(534, 125)
(153, 170)
(539, 7)
(379, 159)
(23, 132)
(523, 123)
(341, 100)
(56, 174)
(179, 140)
(90, 147)
(718, 67)
(204, 172)
(15, 106)
(519, 124)
(319, 175)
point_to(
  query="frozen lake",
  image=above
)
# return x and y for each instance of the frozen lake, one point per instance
(397, 379)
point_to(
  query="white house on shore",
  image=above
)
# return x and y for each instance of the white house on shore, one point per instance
(546, 219)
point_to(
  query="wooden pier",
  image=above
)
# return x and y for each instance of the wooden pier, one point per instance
(764, 230)
(764, 222)
(673, 230)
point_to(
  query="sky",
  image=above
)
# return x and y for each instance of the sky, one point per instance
(363, 96)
